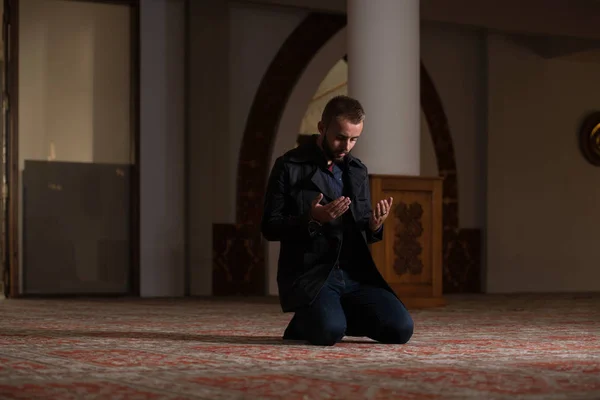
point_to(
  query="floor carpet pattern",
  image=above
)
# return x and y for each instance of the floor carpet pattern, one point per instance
(477, 347)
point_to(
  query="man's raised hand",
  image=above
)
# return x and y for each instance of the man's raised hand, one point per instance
(330, 211)
(380, 213)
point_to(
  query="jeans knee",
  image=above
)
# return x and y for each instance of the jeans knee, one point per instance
(397, 332)
(329, 334)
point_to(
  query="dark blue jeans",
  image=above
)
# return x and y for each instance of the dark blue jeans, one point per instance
(345, 307)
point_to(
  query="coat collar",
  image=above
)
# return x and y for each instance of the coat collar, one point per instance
(311, 153)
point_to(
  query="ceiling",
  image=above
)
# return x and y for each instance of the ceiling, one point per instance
(551, 28)
(572, 18)
(566, 29)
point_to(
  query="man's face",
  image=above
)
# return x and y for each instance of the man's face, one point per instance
(339, 138)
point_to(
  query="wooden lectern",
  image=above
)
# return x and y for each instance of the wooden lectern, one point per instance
(410, 257)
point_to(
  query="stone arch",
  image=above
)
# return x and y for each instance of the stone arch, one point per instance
(243, 270)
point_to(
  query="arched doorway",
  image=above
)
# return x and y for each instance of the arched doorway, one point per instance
(239, 252)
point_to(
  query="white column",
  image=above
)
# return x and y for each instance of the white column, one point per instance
(162, 124)
(383, 74)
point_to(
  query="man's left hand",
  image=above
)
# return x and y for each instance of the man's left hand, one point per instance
(380, 213)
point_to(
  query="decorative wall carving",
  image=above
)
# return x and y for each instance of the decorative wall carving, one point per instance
(407, 248)
(462, 261)
(238, 261)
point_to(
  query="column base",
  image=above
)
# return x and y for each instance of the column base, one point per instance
(415, 303)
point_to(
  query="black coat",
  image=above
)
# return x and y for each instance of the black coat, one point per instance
(306, 257)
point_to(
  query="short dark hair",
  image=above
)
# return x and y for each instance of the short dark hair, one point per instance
(343, 107)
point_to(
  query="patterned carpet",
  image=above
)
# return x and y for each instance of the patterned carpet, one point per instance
(482, 347)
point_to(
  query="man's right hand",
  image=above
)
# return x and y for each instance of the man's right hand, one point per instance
(328, 212)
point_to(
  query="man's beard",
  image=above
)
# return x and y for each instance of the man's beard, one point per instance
(330, 154)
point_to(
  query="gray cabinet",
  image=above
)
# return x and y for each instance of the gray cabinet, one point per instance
(76, 228)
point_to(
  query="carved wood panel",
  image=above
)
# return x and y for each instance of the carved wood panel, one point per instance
(410, 256)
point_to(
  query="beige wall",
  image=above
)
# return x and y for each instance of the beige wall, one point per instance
(74, 82)
(230, 51)
(208, 130)
(252, 48)
(455, 59)
(542, 195)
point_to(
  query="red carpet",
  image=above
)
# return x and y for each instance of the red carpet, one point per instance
(481, 347)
